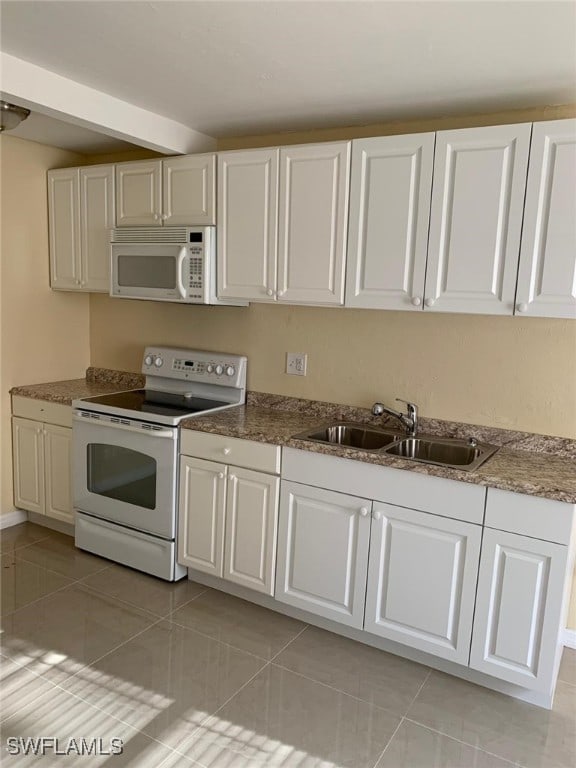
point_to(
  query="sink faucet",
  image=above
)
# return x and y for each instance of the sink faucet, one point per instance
(409, 419)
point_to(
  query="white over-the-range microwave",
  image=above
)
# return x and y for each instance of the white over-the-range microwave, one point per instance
(165, 264)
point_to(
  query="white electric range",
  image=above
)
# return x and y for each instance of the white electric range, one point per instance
(125, 455)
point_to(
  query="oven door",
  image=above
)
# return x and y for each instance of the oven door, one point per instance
(126, 472)
(151, 271)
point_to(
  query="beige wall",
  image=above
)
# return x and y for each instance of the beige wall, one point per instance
(44, 334)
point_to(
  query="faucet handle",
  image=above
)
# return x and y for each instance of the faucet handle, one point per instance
(377, 409)
(411, 406)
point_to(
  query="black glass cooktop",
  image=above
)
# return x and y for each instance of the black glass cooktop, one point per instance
(154, 402)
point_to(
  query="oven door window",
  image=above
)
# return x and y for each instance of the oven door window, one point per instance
(146, 271)
(122, 474)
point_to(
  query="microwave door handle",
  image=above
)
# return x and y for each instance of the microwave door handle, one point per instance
(179, 266)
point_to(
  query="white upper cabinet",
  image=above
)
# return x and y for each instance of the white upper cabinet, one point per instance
(313, 212)
(247, 230)
(64, 228)
(547, 272)
(96, 221)
(476, 219)
(139, 194)
(81, 214)
(189, 190)
(178, 191)
(390, 192)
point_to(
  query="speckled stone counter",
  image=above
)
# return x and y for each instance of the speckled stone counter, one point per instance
(547, 468)
(98, 381)
(538, 465)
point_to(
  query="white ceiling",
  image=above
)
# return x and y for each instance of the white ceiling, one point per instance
(237, 67)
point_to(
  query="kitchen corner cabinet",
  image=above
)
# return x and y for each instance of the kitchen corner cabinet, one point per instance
(228, 513)
(283, 224)
(547, 271)
(42, 458)
(422, 577)
(81, 214)
(476, 219)
(175, 192)
(323, 541)
(390, 191)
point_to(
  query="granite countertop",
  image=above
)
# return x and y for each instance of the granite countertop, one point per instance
(538, 465)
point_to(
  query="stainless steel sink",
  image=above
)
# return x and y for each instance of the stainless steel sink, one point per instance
(448, 452)
(351, 436)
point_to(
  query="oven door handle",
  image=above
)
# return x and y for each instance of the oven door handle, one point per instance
(153, 432)
(179, 268)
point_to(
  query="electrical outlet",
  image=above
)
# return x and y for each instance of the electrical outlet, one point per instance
(296, 363)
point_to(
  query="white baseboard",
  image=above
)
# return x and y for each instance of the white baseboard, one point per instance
(14, 517)
(569, 638)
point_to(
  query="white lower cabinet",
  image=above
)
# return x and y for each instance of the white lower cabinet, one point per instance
(228, 521)
(323, 542)
(519, 609)
(422, 577)
(42, 468)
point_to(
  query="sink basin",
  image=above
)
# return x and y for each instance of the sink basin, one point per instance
(446, 452)
(453, 453)
(351, 436)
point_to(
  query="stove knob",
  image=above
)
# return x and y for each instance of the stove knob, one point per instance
(210, 368)
(219, 370)
(230, 371)
(148, 360)
(158, 362)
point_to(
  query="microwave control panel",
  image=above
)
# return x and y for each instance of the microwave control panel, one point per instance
(196, 272)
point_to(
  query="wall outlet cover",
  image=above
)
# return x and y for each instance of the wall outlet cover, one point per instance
(296, 363)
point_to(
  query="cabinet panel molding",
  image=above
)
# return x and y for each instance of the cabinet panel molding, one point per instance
(390, 193)
(476, 219)
(518, 609)
(547, 271)
(422, 580)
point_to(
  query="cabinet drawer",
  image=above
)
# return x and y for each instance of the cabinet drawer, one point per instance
(529, 515)
(231, 450)
(42, 410)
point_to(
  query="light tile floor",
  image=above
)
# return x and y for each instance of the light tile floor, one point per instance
(188, 676)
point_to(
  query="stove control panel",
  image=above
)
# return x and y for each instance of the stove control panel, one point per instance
(195, 365)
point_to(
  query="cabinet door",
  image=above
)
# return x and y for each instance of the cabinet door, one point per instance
(476, 219)
(64, 226)
(189, 191)
(323, 540)
(313, 215)
(390, 190)
(139, 194)
(547, 272)
(57, 475)
(251, 523)
(201, 515)
(97, 217)
(422, 580)
(28, 460)
(518, 609)
(247, 229)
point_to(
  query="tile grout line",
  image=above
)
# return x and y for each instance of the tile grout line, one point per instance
(388, 742)
(418, 692)
(193, 734)
(336, 690)
(465, 743)
(288, 643)
(215, 639)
